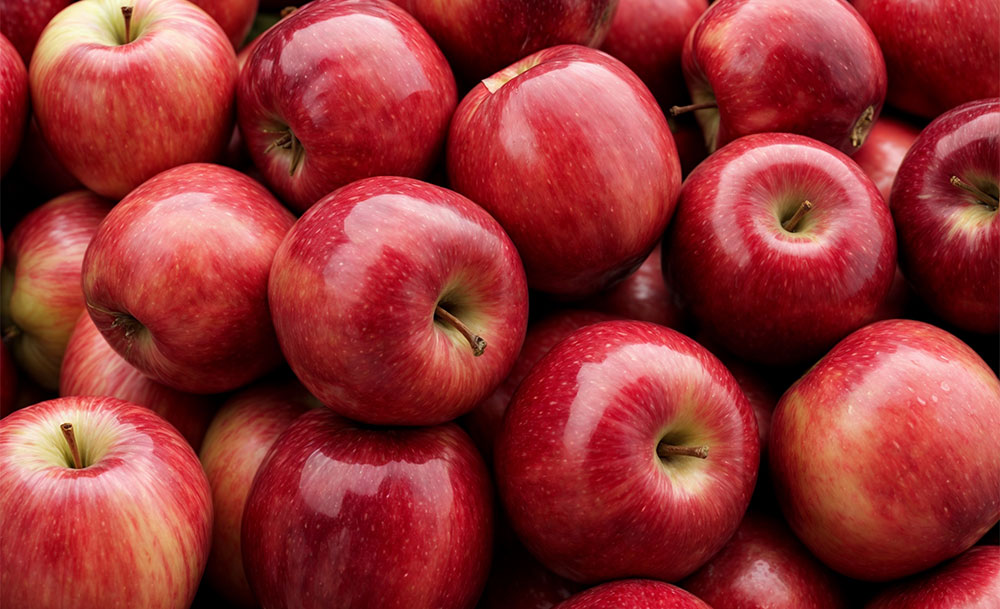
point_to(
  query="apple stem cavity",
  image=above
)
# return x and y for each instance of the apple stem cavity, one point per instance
(477, 343)
(790, 224)
(70, 435)
(677, 110)
(287, 141)
(665, 451)
(984, 197)
(127, 14)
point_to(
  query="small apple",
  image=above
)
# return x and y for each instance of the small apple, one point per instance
(24, 20)
(634, 594)
(518, 581)
(970, 581)
(883, 152)
(642, 296)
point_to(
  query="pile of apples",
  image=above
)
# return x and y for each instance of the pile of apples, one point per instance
(267, 339)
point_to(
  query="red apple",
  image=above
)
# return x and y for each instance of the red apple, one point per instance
(120, 99)
(601, 462)
(235, 445)
(518, 581)
(91, 367)
(948, 236)
(346, 514)
(971, 581)
(812, 68)
(383, 294)
(235, 17)
(568, 150)
(41, 276)
(634, 594)
(123, 521)
(24, 20)
(40, 169)
(340, 91)
(176, 278)
(887, 144)
(768, 282)
(764, 566)
(642, 296)
(885, 456)
(13, 102)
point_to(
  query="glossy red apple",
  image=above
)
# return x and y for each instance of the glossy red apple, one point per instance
(970, 581)
(42, 298)
(812, 68)
(91, 367)
(887, 144)
(948, 236)
(176, 278)
(601, 462)
(643, 296)
(884, 455)
(13, 102)
(346, 514)
(634, 594)
(340, 91)
(123, 521)
(398, 303)
(24, 20)
(771, 279)
(235, 445)
(568, 150)
(120, 99)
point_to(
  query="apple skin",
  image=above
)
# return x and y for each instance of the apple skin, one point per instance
(235, 17)
(343, 513)
(642, 296)
(883, 152)
(518, 581)
(884, 456)
(131, 529)
(176, 278)
(765, 294)
(648, 36)
(353, 292)
(577, 465)
(41, 275)
(763, 566)
(8, 382)
(634, 594)
(536, 154)
(365, 92)
(970, 581)
(948, 240)
(13, 102)
(236, 443)
(810, 68)
(171, 87)
(469, 35)
(24, 20)
(933, 49)
(91, 367)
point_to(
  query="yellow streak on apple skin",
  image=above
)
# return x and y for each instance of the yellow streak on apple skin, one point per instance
(967, 222)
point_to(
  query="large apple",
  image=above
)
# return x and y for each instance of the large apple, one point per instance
(939, 54)
(398, 302)
(103, 505)
(340, 91)
(41, 281)
(628, 451)
(235, 445)
(345, 514)
(24, 20)
(944, 204)
(176, 278)
(885, 455)
(971, 581)
(569, 151)
(634, 594)
(121, 95)
(13, 102)
(883, 152)
(813, 68)
(780, 247)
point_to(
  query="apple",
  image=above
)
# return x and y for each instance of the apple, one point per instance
(8, 382)
(397, 302)
(642, 296)
(780, 247)
(569, 151)
(13, 102)
(235, 17)
(24, 20)
(935, 51)
(340, 91)
(812, 68)
(970, 581)
(104, 505)
(91, 367)
(245, 428)
(41, 281)
(944, 204)
(343, 513)
(628, 451)
(884, 454)
(518, 581)
(634, 594)
(764, 565)
(887, 144)
(176, 278)
(121, 97)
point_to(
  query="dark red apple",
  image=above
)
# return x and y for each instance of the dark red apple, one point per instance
(234, 17)
(970, 581)
(40, 169)
(13, 102)
(24, 20)
(8, 382)
(634, 594)
(518, 581)
(887, 144)
(642, 296)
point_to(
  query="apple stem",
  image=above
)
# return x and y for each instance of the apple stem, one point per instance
(790, 224)
(288, 10)
(859, 133)
(476, 342)
(676, 110)
(669, 450)
(127, 14)
(70, 435)
(985, 198)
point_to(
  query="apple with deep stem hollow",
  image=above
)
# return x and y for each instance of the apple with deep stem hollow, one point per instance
(970, 581)
(634, 594)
